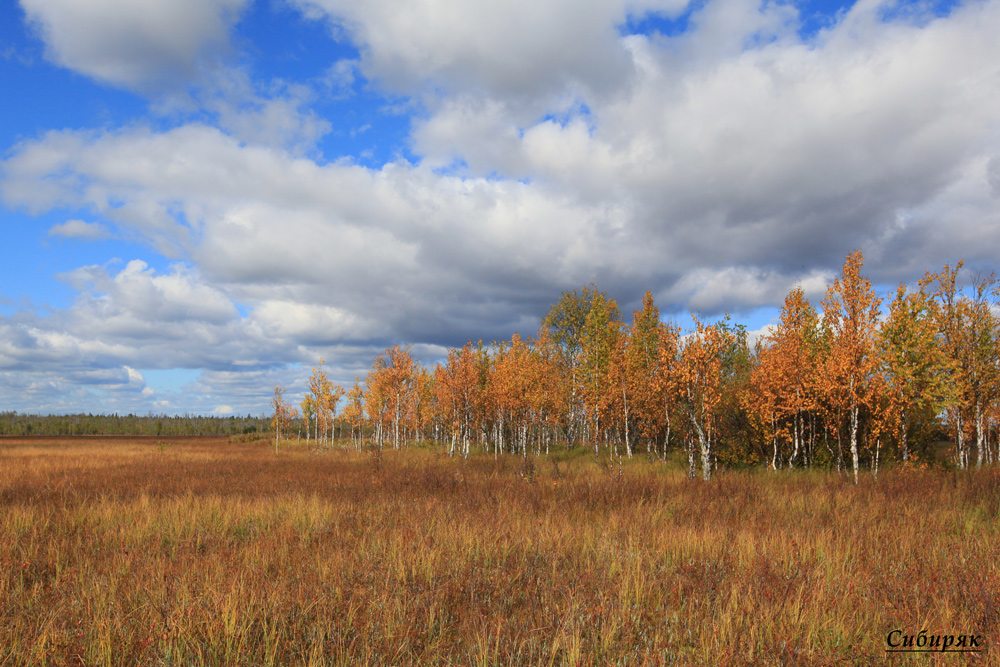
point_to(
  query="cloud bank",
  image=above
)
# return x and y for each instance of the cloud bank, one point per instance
(717, 166)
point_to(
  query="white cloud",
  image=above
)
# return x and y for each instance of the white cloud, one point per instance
(759, 334)
(784, 149)
(379, 245)
(139, 44)
(780, 157)
(311, 323)
(78, 229)
(514, 48)
(742, 288)
(137, 300)
(276, 116)
(341, 77)
(718, 168)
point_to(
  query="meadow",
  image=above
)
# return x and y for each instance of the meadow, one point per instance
(196, 551)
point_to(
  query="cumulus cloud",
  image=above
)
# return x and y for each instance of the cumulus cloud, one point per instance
(89, 354)
(741, 289)
(275, 115)
(519, 48)
(400, 246)
(142, 45)
(786, 149)
(55, 382)
(137, 299)
(311, 323)
(719, 168)
(134, 318)
(78, 229)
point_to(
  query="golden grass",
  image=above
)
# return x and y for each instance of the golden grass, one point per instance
(195, 551)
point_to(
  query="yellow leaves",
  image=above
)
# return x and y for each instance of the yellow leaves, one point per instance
(283, 413)
(457, 386)
(851, 315)
(783, 381)
(389, 391)
(588, 377)
(323, 398)
(913, 360)
(700, 367)
(354, 412)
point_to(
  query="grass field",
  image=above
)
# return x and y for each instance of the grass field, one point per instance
(195, 551)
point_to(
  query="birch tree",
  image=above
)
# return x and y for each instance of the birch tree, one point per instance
(600, 333)
(283, 414)
(457, 390)
(308, 414)
(319, 401)
(634, 371)
(782, 381)
(579, 324)
(397, 383)
(354, 413)
(980, 357)
(667, 380)
(850, 313)
(914, 363)
(700, 378)
(950, 316)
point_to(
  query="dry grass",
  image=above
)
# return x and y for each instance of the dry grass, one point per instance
(195, 551)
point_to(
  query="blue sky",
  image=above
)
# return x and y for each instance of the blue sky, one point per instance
(202, 198)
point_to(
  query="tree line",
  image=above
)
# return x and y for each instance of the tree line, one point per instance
(844, 386)
(19, 424)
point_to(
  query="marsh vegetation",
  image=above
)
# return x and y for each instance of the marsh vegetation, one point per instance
(205, 552)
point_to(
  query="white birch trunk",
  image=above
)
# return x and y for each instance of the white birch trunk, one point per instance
(690, 448)
(904, 419)
(961, 441)
(795, 451)
(854, 440)
(628, 443)
(979, 433)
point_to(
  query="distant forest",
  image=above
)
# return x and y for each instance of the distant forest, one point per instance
(16, 424)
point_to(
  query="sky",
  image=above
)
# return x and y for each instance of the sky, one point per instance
(200, 199)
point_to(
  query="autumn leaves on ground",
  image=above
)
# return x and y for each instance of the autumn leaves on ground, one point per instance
(198, 551)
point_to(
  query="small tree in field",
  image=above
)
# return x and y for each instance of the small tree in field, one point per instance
(283, 414)
(633, 373)
(914, 362)
(354, 412)
(968, 331)
(700, 379)
(308, 414)
(781, 395)
(851, 313)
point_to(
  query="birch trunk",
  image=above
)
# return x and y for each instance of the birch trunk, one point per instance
(854, 439)
(878, 452)
(961, 441)
(904, 419)
(690, 448)
(774, 441)
(705, 446)
(979, 433)
(628, 443)
(795, 452)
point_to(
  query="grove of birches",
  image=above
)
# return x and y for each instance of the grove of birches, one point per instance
(847, 386)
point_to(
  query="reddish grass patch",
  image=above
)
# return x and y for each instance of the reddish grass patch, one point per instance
(197, 551)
